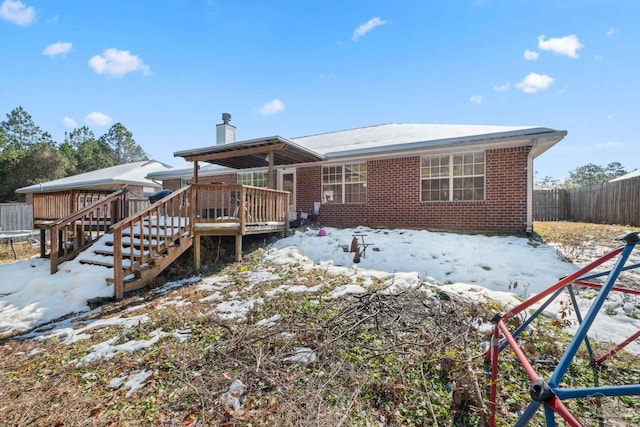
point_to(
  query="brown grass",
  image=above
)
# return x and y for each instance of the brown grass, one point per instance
(382, 360)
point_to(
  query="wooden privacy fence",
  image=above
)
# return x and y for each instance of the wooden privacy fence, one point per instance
(550, 205)
(15, 216)
(615, 202)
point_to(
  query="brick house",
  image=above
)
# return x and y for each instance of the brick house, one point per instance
(464, 178)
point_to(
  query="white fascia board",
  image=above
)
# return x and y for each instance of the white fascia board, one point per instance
(428, 151)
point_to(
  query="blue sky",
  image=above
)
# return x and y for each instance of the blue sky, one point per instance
(167, 69)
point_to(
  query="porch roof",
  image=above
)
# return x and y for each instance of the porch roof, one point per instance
(253, 153)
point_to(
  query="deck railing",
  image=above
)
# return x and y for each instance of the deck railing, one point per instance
(140, 238)
(74, 233)
(60, 204)
(241, 204)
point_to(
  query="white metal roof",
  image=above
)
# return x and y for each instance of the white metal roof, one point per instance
(130, 173)
(395, 137)
(633, 174)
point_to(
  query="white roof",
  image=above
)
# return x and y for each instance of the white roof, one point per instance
(130, 173)
(634, 174)
(394, 137)
(187, 172)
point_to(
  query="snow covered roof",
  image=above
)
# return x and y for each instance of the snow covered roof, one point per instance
(634, 174)
(187, 172)
(130, 173)
(401, 137)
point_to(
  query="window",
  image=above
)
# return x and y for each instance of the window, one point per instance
(256, 179)
(344, 183)
(184, 182)
(453, 177)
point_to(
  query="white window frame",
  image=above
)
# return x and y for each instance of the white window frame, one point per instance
(458, 168)
(343, 182)
(254, 180)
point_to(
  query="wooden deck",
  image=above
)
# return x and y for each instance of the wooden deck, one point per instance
(236, 210)
(146, 240)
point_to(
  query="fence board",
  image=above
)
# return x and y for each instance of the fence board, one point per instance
(550, 205)
(615, 202)
(15, 216)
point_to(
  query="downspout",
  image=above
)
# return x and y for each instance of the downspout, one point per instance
(529, 228)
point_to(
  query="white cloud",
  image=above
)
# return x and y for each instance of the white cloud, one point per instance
(531, 55)
(57, 49)
(609, 144)
(367, 26)
(97, 119)
(534, 82)
(117, 63)
(69, 123)
(567, 45)
(502, 88)
(612, 31)
(272, 107)
(17, 12)
(476, 99)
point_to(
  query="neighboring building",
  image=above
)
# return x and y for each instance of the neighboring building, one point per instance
(464, 178)
(634, 174)
(132, 175)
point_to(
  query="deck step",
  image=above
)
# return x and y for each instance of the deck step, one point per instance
(109, 252)
(108, 264)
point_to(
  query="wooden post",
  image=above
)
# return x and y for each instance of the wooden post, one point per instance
(53, 256)
(118, 280)
(238, 247)
(270, 174)
(43, 243)
(196, 252)
(195, 172)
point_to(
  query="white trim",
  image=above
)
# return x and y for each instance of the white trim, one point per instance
(451, 177)
(281, 172)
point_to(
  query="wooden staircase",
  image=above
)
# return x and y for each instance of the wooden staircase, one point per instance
(135, 246)
(138, 246)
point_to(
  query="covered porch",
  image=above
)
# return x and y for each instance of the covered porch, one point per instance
(238, 210)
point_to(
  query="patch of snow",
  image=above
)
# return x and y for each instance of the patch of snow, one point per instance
(302, 355)
(269, 322)
(108, 349)
(132, 382)
(341, 291)
(236, 309)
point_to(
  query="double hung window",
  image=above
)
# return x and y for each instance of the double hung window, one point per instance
(453, 177)
(344, 183)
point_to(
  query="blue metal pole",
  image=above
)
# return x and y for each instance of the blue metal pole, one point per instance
(533, 316)
(528, 413)
(620, 390)
(579, 316)
(549, 417)
(572, 349)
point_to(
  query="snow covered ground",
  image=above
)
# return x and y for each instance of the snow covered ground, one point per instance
(475, 266)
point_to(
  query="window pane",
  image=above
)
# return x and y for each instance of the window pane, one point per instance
(332, 193)
(355, 193)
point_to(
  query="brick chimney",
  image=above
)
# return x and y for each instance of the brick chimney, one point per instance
(225, 133)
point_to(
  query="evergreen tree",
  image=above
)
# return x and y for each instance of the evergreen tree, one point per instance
(591, 174)
(124, 147)
(19, 130)
(89, 153)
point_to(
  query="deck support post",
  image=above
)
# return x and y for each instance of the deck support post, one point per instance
(43, 243)
(196, 251)
(238, 247)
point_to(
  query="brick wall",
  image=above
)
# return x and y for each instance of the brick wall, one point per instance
(393, 198)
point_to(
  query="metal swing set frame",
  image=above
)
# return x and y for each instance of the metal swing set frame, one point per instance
(548, 393)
